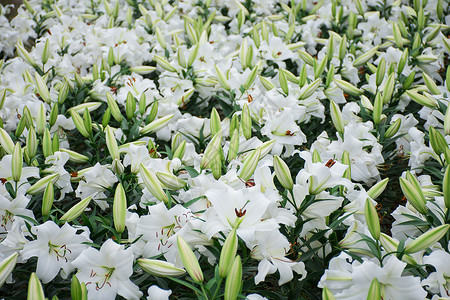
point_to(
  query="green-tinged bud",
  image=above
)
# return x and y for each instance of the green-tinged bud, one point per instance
(233, 282)
(152, 183)
(255, 36)
(397, 35)
(112, 104)
(420, 19)
(446, 187)
(130, 105)
(426, 59)
(214, 122)
(409, 80)
(47, 199)
(283, 173)
(393, 129)
(361, 60)
(35, 290)
(416, 42)
(206, 81)
(427, 239)
(28, 119)
(234, 124)
(347, 87)
(372, 220)
(264, 31)
(32, 143)
(381, 71)
(319, 68)
(346, 161)
(7, 266)
(17, 162)
(377, 109)
(53, 114)
(156, 125)
(119, 208)
(447, 78)
(193, 54)
(221, 78)
(46, 51)
(142, 70)
(310, 89)
(414, 196)
(422, 100)
(212, 150)
(2, 97)
(228, 253)
(42, 183)
(142, 104)
(374, 290)
(283, 82)
(76, 289)
(171, 181)
(433, 33)
(79, 123)
(164, 63)
(330, 75)
(76, 210)
(216, 167)
(42, 88)
(47, 148)
(440, 10)
(6, 141)
(176, 140)
(268, 85)
(153, 111)
(343, 48)
(437, 141)
(431, 85)
(336, 117)
(160, 268)
(303, 77)
(179, 152)
(95, 75)
(234, 146)
(23, 53)
(87, 121)
(306, 57)
(372, 68)
(266, 147)
(111, 57)
(189, 260)
(91, 106)
(40, 120)
(390, 245)
(184, 98)
(251, 77)
(250, 164)
(75, 156)
(327, 294)
(192, 35)
(330, 48)
(20, 127)
(246, 122)
(378, 188)
(316, 156)
(249, 57)
(160, 37)
(111, 143)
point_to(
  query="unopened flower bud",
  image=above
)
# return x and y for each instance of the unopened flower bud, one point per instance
(373, 222)
(130, 105)
(361, 60)
(35, 290)
(233, 282)
(250, 164)
(327, 295)
(152, 183)
(347, 87)
(393, 129)
(40, 120)
(6, 141)
(42, 88)
(282, 172)
(228, 253)
(79, 123)
(47, 148)
(112, 104)
(189, 260)
(211, 150)
(17, 163)
(427, 239)
(336, 117)
(164, 63)
(160, 268)
(47, 199)
(7, 266)
(234, 146)
(42, 183)
(180, 151)
(76, 210)
(310, 89)
(414, 196)
(171, 181)
(374, 290)
(119, 208)
(246, 122)
(156, 125)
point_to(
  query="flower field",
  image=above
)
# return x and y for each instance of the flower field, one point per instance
(205, 149)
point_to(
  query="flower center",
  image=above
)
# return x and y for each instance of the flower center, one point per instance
(103, 278)
(60, 251)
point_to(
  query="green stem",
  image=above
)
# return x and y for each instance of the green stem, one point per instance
(217, 288)
(204, 292)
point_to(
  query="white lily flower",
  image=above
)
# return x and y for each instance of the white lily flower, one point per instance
(157, 293)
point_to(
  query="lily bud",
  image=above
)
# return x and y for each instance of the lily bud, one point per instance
(79, 123)
(142, 70)
(427, 239)
(347, 87)
(431, 85)
(234, 125)
(343, 47)
(2, 97)
(266, 147)
(246, 122)
(447, 79)
(6, 141)
(112, 104)
(20, 127)
(32, 143)
(316, 156)
(222, 79)
(303, 76)
(346, 161)
(42, 88)
(35, 290)
(378, 188)
(171, 181)
(40, 120)
(76, 210)
(336, 117)
(283, 173)
(164, 63)
(111, 143)
(189, 260)
(228, 253)
(306, 57)
(377, 109)
(251, 77)
(319, 68)
(47, 199)
(446, 187)
(74, 156)
(373, 222)
(422, 100)
(7, 266)
(42, 183)
(185, 97)
(413, 195)
(398, 39)
(283, 82)
(250, 164)
(130, 106)
(310, 89)
(153, 111)
(53, 114)
(152, 183)
(268, 85)
(388, 88)
(374, 290)
(119, 208)
(214, 122)
(361, 60)
(47, 148)
(234, 146)
(156, 125)
(17, 163)
(233, 282)
(87, 121)
(159, 267)
(91, 106)
(393, 129)
(211, 150)
(46, 51)
(437, 141)
(179, 152)
(23, 53)
(327, 295)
